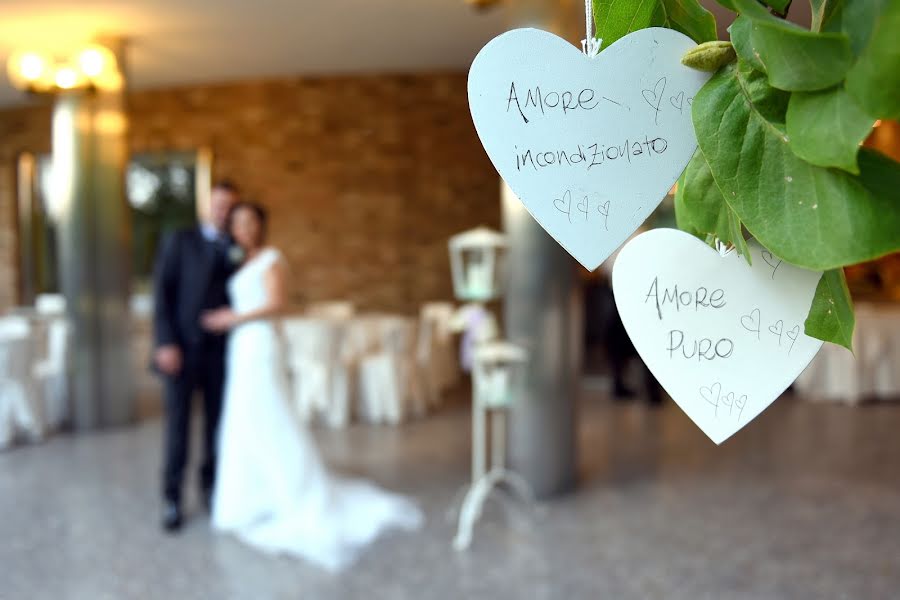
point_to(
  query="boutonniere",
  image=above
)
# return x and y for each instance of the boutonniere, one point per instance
(235, 254)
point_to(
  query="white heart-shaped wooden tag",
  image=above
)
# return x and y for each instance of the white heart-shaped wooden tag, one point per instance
(723, 338)
(590, 145)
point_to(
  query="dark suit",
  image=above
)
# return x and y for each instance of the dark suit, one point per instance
(190, 278)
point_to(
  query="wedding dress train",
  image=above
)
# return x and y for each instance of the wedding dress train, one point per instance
(272, 490)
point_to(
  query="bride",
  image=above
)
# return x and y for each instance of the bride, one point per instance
(273, 490)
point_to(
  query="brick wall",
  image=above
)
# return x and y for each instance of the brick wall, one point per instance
(365, 176)
(20, 130)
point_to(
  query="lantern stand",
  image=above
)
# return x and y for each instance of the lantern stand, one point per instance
(496, 364)
(477, 259)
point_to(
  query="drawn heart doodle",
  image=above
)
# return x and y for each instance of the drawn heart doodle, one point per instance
(711, 394)
(654, 96)
(771, 261)
(777, 328)
(751, 322)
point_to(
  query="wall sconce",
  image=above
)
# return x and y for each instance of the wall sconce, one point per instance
(90, 67)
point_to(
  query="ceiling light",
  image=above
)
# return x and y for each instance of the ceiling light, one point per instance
(96, 60)
(67, 78)
(92, 66)
(32, 66)
(30, 70)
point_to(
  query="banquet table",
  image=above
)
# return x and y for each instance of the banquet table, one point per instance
(345, 339)
(327, 357)
(871, 372)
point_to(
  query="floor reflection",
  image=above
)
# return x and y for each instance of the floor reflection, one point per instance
(802, 503)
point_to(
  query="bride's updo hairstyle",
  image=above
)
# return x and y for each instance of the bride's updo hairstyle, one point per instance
(261, 214)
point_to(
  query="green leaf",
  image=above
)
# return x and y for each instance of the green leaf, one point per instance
(757, 12)
(794, 58)
(682, 214)
(879, 175)
(874, 81)
(810, 216)
(857, 20)
(704, 208)
(801, 61)
(736, 235)
(614, 19)
(688, 17)
(826, 14)
(740, 39)
(817, 10)
(831, 313)
(780, 6)
(826, 128)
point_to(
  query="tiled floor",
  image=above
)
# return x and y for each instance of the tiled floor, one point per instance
(805, 503)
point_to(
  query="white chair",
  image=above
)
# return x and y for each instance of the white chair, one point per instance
(50, 374)
(50, 304)
(18, 410)
(390, 386)
(337, 309)
(435, 353)
(14, 327)
(320, 379)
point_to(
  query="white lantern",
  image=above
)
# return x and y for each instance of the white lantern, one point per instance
(477, 262)
(496, 367)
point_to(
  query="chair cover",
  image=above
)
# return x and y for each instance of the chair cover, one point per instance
(18, 409)
(390, 387)
(319, 376)
(435, 354)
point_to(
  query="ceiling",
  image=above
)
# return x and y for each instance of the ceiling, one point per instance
(172, 42)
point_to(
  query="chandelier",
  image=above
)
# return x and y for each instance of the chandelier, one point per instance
(89, 67)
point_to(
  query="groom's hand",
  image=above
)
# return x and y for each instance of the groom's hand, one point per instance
(219, 320)
(168, 359)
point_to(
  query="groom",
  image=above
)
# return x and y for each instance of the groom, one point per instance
(192, 268)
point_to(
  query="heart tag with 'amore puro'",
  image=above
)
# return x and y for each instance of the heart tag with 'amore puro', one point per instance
(590, 146)
(723, 338)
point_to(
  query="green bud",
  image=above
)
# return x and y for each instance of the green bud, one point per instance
(709, 56)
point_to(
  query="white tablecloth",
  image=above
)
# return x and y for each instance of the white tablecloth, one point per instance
(874, 372)
(325, 355)
(346, 340)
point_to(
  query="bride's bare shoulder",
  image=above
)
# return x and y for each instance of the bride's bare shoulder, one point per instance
(274, 257)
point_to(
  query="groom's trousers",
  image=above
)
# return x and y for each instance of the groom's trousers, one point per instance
(203, 369)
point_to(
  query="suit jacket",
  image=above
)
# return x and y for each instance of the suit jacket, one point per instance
(190, 277)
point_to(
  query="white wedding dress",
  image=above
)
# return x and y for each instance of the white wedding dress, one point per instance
(272, 489)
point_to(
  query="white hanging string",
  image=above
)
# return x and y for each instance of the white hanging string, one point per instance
(589, 45)
(723, 248)
(588, 19)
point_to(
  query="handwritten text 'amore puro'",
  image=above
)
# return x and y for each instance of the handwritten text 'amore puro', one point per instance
(701, 298)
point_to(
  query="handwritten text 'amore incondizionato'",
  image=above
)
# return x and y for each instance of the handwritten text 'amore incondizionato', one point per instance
(587, 155)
